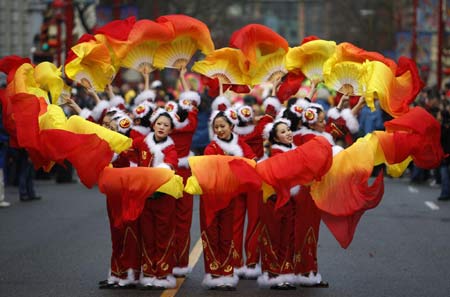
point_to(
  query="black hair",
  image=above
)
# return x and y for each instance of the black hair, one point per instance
(167, 115)
(291, 116)
(221, 114)
(272, 133)
(182, 113)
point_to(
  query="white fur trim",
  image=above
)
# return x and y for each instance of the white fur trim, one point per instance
(129, 280)
(336, 149)
(183, 161)
(303, 103)
(333, 113)
(112, 279)
(116, 101)
(169, 282)
(245, 130)
(230, 280)
(114, 158)
(132, 164)
(147, 281)
(186, 104)
(157, 113)
(350, 120)
(239, 271)
(305, 131)
(157, 148)
(143, 109)
(210, 282)
(99, 109)
(220, 100)
(264, 281)
(306, 117)
(273, 101)
(180, 271)
(294, 190)
(283, 148)
(230, 148)
(171, 106)
(245, 113)
(163, 165)
(191, 96)
(297, 110)
(309, 280)
(85, 113)
(141, 129)
(252, 272)
(232, 116)
(123, 117)
(178, 124)
(145, 95)
(316, 105)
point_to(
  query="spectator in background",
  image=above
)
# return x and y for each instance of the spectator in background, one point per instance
(201, 136)
(26, 172)
(444, 117)
(3, 148)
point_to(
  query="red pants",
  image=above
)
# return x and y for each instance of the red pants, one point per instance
(277, 237)
(307, 223)
(126, 251)
(217, 239)
(183, 214)
(247, 203)
(158, 236)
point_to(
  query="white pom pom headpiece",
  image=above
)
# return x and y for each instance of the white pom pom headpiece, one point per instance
(245, 113)
(192, 96)
(149, 95)
(220, 103)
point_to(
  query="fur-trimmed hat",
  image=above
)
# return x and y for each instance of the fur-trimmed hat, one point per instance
(245, 113)
(297, 110)
(143, 109)
(310, 115)
(193, 97)
(149, 95)
(124, 122)
(171, 106)
(229, 113)
(220, 103)
(271, 105)
(160, 111)
(303, 103)
(117, 101)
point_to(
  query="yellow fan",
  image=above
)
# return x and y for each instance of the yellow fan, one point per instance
(345, 77)
(310, 58)
(175, 54)
(226, 64)
(140, 57)
(269, 68)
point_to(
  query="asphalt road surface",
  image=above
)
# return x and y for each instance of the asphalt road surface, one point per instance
(60, 246)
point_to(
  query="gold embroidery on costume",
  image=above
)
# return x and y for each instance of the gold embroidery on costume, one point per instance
(214, 265)
(164, 266)
(144, 155)
(228, 268)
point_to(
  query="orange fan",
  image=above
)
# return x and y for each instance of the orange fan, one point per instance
(310, 57)
(270, 68)
(256, 40)
(190, 35)
(144, 39)
(225, 64)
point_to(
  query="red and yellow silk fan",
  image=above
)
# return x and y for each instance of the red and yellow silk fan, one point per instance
(190, 35)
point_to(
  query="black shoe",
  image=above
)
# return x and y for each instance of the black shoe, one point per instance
(25, 198)
(280, 286)
(444, 198)
(108, 286)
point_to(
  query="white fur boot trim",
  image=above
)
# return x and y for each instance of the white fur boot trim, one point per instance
(310, 280)
(289, 278)
(264, 281)
(112, 279)
(239, 271)
(130, 280)
(147, 281)
(210, 282)
(231, 280)
(181, 271)
(252, 272)
(169, 282)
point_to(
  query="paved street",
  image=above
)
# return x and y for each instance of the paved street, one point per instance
(60, 246)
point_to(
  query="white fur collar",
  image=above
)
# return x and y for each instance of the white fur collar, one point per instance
(245, 130)
(157, 148)
(304, 131)
(180, 125)
(230, 148)
(283, 148)
(99, 108)
(141, 129)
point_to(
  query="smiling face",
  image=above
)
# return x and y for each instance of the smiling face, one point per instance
(162, 127)
(222, 128)
(283, 134)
